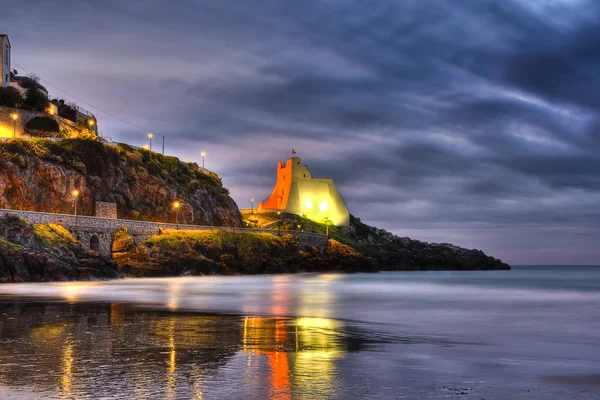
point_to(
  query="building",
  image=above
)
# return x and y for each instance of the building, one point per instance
(5, 60)
(297, 192)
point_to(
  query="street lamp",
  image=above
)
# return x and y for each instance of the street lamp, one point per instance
(279, 223)
(203, 154)
(14, 117)
(90, 123)
(76, 195)
(252, 200)
(145, 147)
(150, 137)
(176, 205)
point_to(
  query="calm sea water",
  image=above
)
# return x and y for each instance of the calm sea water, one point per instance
(529, 333)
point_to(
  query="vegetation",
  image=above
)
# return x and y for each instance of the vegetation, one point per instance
(35, 98)
(54, 236)
(214, 241)
(140, 182)
(121, 233)
(11, 246)
(292, 222)
(10, 97)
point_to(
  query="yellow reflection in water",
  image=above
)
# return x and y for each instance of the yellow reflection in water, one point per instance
(66, 380)
(172, 364)
(301, 353)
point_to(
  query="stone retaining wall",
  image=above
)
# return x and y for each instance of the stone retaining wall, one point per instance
(87, 227)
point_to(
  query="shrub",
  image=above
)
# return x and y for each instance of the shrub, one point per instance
(35, 99)
(10, 97)
(43, 124)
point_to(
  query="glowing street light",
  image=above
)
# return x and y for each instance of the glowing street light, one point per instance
(90, 123)
(252, 200)
(203, 154)
(76, 195)
(176, 206)
(14, 117)
(150, 137)
(145, 147)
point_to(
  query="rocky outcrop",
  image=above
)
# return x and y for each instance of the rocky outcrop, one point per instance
(386, 250)
(176, 253)
(40, 175)
(391, 252)
(47, 253)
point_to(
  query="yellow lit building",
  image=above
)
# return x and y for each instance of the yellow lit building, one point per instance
(297, 192)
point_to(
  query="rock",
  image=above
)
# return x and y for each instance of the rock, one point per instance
(179, 253)
(27, 257)
(391, 252)
(39, 175)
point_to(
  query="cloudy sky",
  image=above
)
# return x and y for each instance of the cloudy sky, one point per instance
(471, 122)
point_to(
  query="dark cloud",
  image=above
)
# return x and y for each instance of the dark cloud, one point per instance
(469, 122)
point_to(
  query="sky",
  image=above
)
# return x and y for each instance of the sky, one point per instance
(470, 122)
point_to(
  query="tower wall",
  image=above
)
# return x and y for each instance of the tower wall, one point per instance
(297, 192)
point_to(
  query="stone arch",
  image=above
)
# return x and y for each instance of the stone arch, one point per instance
(95, 243)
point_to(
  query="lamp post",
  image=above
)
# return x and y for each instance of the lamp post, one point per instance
(76, 195)
(279, 223)
(150, 137)
(326, 226)
(252, 200)
(14, 117)
(176, 205)
(203, 154)
(90, 123)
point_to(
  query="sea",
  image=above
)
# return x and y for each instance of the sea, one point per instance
(529, 333)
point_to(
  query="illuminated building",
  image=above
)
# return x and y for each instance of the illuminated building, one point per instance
(297, 192)
(5, 60)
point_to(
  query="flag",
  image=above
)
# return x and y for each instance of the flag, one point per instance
(293, 151)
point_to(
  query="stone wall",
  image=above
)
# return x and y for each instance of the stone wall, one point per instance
(106, 210)
(86, 228)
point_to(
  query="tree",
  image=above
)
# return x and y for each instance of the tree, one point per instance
(35, 99)
(10, 97)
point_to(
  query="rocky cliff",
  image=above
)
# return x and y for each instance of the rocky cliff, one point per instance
(47, 253)
(386, 250)
(401, 253)
(40, 175)
(180, 252)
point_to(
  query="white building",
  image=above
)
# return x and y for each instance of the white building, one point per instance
(5, 60)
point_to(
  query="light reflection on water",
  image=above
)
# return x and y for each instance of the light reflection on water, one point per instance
(93, 350)
(302, 337)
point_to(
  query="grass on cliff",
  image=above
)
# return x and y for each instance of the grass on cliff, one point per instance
(53, 236)
(291, 222)
(184, 240)
(12, 246)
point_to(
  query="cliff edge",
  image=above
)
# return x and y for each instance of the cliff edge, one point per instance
(41, 174)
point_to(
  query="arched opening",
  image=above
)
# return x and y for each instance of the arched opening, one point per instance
(95, 243)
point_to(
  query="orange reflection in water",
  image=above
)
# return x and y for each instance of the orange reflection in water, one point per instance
(301, 352)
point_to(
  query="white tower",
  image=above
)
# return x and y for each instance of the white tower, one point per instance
(5, 60)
